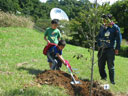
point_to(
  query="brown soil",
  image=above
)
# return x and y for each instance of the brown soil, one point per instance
(63, 79)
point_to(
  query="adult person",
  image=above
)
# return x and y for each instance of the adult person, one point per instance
(109, 41)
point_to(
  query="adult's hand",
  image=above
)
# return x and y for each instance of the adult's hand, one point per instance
(116, 52)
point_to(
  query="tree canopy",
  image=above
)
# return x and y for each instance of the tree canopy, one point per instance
(120, 12)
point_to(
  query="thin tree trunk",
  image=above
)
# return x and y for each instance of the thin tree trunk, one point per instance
(92, 67)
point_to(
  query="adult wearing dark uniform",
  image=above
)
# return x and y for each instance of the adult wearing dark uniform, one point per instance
(109, 40)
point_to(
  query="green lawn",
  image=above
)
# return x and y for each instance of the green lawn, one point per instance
(21, 59)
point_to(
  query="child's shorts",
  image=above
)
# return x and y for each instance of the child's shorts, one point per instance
(55, 61)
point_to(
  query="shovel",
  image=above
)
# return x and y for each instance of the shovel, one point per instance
(70, 71)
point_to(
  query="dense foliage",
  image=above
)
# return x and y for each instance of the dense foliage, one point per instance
(37, 9)
(88, 22)
(120, 12)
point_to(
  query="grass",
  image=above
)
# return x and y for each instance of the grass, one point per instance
(21, 59)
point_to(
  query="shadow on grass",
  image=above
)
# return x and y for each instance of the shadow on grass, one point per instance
(31, 70)
(84, 79)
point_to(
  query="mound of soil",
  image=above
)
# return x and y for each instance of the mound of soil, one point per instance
(63, 79)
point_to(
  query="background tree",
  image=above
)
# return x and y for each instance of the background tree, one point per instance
(86, 27)
(80, 26)
(10, 6)
(120, 12)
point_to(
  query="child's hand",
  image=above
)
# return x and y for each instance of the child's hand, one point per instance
(48, 41)
(65, 63)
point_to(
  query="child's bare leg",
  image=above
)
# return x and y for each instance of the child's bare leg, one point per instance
(50, 65)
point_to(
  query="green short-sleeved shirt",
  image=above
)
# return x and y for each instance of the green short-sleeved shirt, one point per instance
(53, 35)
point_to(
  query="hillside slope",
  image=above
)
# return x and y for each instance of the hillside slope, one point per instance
(21, 59)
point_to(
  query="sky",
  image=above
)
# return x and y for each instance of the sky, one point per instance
(102, 1)
(99, 1)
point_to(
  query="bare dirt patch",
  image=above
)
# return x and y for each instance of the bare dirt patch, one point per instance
(63, 79)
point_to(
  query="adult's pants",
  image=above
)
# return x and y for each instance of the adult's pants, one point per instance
(106, 56)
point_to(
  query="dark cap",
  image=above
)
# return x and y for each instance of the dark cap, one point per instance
(104, 16)
(107, 16)
(55, 21)
(62, 43)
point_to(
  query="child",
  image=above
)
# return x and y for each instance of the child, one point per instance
(54, 55)
(52, 32)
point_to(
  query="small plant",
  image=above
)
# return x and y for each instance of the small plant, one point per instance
(11, 20)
